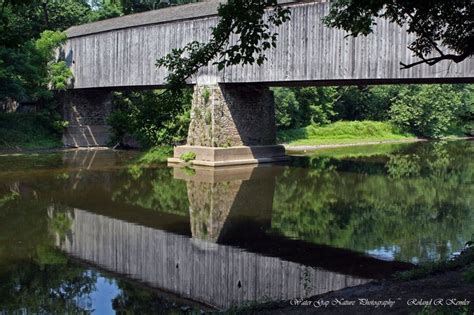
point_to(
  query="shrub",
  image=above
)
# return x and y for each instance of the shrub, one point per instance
(188, 156)
(427, 110)
(28, 131)
(154, 118)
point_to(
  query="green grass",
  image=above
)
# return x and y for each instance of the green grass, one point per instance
(156, 155)
(27, 131)
(359, 151)
(343, 132)
(465, 259)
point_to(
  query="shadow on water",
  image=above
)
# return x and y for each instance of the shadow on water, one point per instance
(143, 238)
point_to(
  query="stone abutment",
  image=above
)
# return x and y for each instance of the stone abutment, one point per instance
(86, 112)
(231, 125)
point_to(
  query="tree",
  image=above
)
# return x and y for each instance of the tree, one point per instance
(26, 50)
(154, 117)
(449, 23)
(241, 17)
(427, 110)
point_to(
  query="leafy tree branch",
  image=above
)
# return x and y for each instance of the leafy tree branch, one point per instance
(244, 18)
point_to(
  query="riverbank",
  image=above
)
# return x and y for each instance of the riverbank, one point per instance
(436, 288)
(309, 148)
(450, 289)
(25, 131)
(343, 133)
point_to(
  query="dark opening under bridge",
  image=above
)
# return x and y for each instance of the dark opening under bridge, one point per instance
(121, 53)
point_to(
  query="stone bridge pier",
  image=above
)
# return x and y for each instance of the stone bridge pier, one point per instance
(231, 124)
(86, 111)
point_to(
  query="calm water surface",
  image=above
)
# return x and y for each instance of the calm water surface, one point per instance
(100, 232)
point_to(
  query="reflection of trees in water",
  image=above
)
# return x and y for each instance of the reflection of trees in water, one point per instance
(422, 204)
(60, 220)
(34, 277)
(152, 189)
(133, 299)
(58, 288)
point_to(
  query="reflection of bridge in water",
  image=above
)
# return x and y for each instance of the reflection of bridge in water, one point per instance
(214, 274)
(230, 257)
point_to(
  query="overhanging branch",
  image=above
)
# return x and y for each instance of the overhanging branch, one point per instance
(434, 60)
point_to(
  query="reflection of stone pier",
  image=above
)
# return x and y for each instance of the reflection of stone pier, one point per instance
(218, 196)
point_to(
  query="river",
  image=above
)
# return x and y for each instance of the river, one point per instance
(101, 232)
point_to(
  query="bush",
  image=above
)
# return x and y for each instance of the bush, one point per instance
(154, 118)
(188, 156)
(427, 110)
(27, 131)
(298, 107)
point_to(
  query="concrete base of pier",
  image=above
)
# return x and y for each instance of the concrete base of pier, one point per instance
(240, 155)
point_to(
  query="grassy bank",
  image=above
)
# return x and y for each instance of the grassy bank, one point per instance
(343, 132)
(155, 155)
(26, 131)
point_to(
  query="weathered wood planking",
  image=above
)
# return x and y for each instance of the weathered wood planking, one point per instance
(307, 53)
(191, 268)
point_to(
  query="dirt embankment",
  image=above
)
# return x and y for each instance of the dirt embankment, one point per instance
(445, 293)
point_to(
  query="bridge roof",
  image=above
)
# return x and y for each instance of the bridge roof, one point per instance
(173, 13)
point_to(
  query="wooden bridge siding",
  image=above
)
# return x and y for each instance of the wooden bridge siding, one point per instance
(307, 51)
(206, 272)
(127, 57)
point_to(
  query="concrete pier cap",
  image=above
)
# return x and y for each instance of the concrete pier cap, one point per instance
(231, 124)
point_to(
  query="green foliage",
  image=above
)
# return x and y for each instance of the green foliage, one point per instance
(466, 258)
(342, 132)
(319, 102)
(287, 109)
(152, 188)
(156, 154)
(31, 31)
(154, 117)
(59, 75)
(206, 94)
(298, 107)
(27, 131)
(135, 6)
(427, 110)
(355, 202)
(57, 72)
(28, 73)
(365, 103)
(105, 10)
(443, 310)
(48, 42)
(448, 23)
(188, 156)
(12, 195)
(240, 17)
(50, 256)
